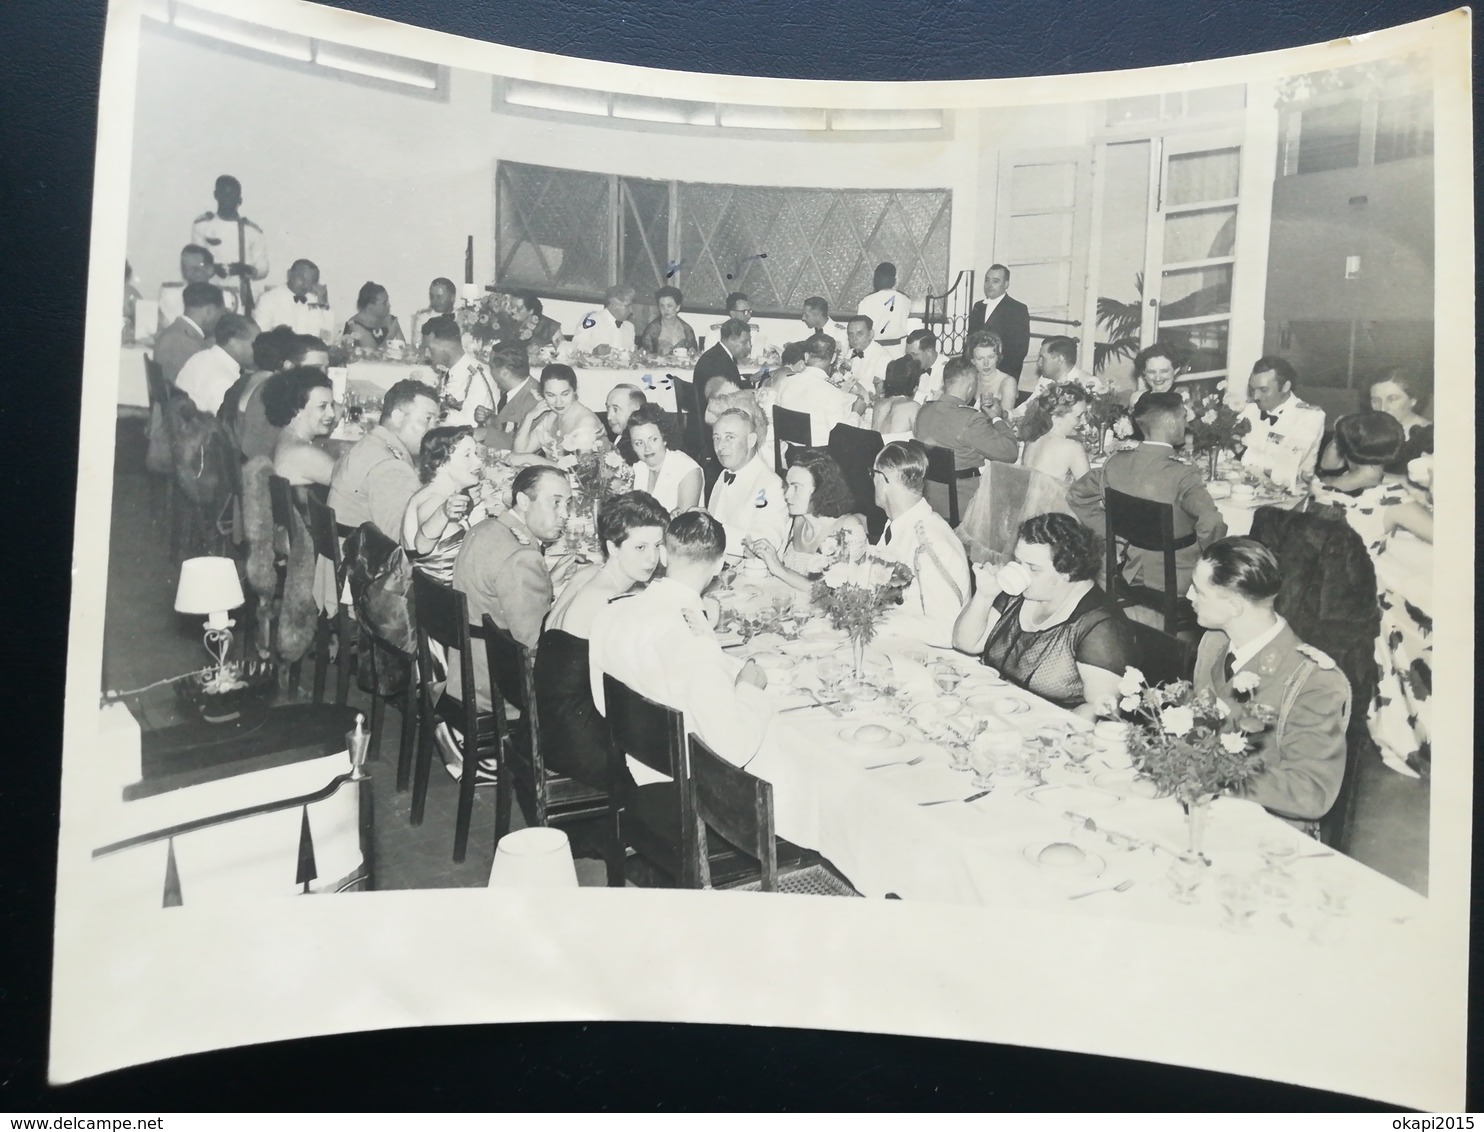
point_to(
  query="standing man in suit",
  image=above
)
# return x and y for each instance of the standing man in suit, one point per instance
(191, 332)
(1250, 655)
(733, 342)
(511, 370)
(1007, 317)
(1151, 471)
(240, 248)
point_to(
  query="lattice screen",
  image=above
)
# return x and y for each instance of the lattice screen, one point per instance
(780, 245)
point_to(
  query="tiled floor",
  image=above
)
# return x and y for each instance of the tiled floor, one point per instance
(146, 640)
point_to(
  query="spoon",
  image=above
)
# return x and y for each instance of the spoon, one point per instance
(1121, 886)
(897, 762)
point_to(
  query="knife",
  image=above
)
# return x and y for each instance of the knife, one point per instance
(806, 707)
(970, 798)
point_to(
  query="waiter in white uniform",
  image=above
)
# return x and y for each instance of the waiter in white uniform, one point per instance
(238, 244)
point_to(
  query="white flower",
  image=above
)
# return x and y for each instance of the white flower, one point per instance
(1246, 682)
(830, 547)
(1209, 417)
(1233, 744)
(880, 573)
(1189, 413)
(1177, 720)
(1220, 385)
(614, 460)
(1419, 471)
(1123, 428)
(1221, 708)
(1131, 682)
(1129, 703)
(837, 575)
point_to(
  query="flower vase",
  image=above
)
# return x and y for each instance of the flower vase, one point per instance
(1213, 458)
(858, 657)
(1196, 812)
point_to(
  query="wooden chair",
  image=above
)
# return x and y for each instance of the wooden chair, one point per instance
(546, 797)
(1148, 525)
(941, 469)
(1162, 658)
(789, 427)
(656, 820)
(321, 521)
(691, 411)
(281, 500)
(855, 450)
(739, 807)
(443, 616)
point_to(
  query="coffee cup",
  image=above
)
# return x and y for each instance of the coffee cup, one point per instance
(1013, 578)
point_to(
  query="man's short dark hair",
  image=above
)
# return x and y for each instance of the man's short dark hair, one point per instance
(909, 459)
(1244, 565)
(285, 394)
(621, 514)
(817, 303)
(820, 346)
(884, 276)
(853, 319)
(270, 349)
(304, 265)
(304, 344)
(1063, 347)
(732, 329)
(696, 536)
(231, 327)
(1271, 363)
(445, 284)
(227, 179)
(793, 353)
(902, 375)
(443, 327)
(528, 480)
(999, 267)
(197, 249)
(1153, 407)
(737, 297)
(958, 369)
(512, 359)
(195, 296)
(923, 339)
(404, 393)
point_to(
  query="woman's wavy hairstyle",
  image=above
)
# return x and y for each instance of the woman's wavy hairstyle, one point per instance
(1075, 550)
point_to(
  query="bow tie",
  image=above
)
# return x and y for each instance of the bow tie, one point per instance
(857, 354)
(729, 477)
(301, 299)
(1268, 418)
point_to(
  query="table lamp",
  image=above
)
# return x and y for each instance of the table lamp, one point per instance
(535, 857)
(210, 586)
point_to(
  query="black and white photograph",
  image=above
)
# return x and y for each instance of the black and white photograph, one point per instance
(685, 547)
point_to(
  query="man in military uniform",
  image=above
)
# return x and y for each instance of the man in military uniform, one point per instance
(197, 265)
(1283, 441)
(468, 387)
(238, 244)
(1250, 655)
(952, 422)
(441, 296)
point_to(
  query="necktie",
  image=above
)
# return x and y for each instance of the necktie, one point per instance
(886, 536)
(728, 477)
(1268, 418)
(301, 299)
(504, 397)
(1229, 668)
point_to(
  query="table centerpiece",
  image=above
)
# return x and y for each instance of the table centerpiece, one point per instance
(1107, 416)
(1212, 426)
(855, 590)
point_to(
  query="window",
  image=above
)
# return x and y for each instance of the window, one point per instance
(1329, 138)
(1404, 127)
(1199, 203)
(569, 233)
(1152, 109)
(357, 64)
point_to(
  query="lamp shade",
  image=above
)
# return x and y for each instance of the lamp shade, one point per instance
(208, 585)
(535, 857)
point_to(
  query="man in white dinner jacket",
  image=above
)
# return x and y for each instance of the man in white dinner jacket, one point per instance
(748, 496)
(919, 537)
(1283, 442)
(660, 643)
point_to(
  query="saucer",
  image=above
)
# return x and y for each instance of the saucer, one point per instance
(773, 661)
(879, 743)
(1088, 865)
(1010, 705)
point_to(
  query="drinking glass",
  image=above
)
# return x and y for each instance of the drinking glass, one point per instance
(1078, 748)
(1277, 851)
(982, 760)
(1004, 749)
(1239, 899)
(1185, 879)
(947, 678)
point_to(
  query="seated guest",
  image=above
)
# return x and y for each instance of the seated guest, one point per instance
(608, 329)
(739, 309)
(1283, 442)
(920, 538)
(790, 361)
(301, 404)
(469, 391)
(747, 497)
(659, 643)
(441, 296)
(669, 332)
(997, 390)
(1399, 392)
(812, 391)
(519, 393)
(952, 422)
(663, 470)
(1056, 367)
(817, 318)
(373, 481)
(197, 265)
(631, 530)
(865, 361)
(820, 507)
(1047, 429)
(1044, 623)
(718, 388)
(1249, 653)
(1155, 369)
(895, 411)
(559, 424)
(303, 304)
(1152, 471)
(208, 374)
(269, 353)
(1375, 501)
(889, 310)
(191, 332)
(623, 399)
(441, 512)
(534, 329)
(734, 342)
(272, 352)
(373, 325)
(922, 347)
(500, 569)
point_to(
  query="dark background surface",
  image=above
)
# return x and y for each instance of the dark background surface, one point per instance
(50, 51)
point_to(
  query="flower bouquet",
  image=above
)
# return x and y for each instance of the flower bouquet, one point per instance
(855, 589)
(1212, 426)
(1105, 414)
(1191, 744)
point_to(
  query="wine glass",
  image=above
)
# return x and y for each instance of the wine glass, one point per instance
(1185, 877)
(947, 678)
(1277, 849)
(1239, 895)
(1078, 748)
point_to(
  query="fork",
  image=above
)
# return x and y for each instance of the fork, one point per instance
(897, 762)
(1121, 886)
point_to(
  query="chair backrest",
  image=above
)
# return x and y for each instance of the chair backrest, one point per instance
(855, 450)
(943, 470)
(322, 528)
(510, 665)
(281, 497)
(690, 407)
(442, 614)
(1162, 658)
(737, 805)
(154, 380)
(789, 427)
(1144, 523)
(645, 731)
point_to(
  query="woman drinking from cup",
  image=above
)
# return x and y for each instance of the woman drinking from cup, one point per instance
(1044, 622)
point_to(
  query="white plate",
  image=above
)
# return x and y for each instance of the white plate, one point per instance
(819, 630)
(1074, 798)
(940, 707)
(892, 739)
(1125, 784)
(805, 647)
(765, 643)
(774, 662)
(1010, 705)
(1090, 865)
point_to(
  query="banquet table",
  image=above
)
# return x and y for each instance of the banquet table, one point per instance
(372, 378)
(910, 829)
(1236, 510)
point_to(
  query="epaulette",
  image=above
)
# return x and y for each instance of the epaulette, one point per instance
(1322, 659)
(205, 216)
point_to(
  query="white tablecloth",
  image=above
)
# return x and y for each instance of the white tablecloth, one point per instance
(593, 385)
(871, 825)
(1238, 516)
